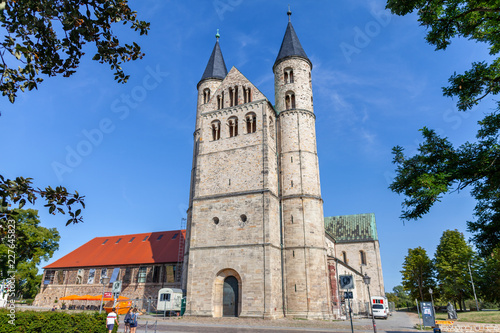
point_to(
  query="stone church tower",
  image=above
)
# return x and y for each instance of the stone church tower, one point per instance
(255, 230)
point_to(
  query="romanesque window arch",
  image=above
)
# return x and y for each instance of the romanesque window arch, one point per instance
(232, 123)
(362, 257)
(288, 75)
(206, 95)
(251, 120)
(247, 95)
(290, 100)
(233, 96)
(215, 130)
(220, 101)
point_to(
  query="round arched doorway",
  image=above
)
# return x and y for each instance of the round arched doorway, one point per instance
(227, 294)
(230, 293)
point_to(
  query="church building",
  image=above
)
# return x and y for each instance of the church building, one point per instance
(257, 243)
(255, 229)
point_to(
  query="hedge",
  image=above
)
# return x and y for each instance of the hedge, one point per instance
(53, 322)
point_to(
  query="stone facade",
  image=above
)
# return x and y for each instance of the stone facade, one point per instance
(75, 281)
(255, 211)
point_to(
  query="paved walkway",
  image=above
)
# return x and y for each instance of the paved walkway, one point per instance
(399, 322)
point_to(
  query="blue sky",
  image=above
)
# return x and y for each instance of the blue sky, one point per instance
(128, 148)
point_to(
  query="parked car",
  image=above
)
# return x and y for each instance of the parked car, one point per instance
(379, 311)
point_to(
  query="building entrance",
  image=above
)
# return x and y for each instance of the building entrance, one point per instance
(230, 297)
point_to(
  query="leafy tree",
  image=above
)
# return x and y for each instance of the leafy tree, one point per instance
(451, 258)
(439, 167)
(418, 274)
(403, 299)
(20, 191)
(47, 37)
(32, 244)
(489, 277)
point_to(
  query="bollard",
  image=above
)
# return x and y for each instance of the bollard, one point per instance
(436, 330)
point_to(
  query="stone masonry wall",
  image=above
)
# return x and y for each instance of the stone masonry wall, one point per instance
(234, 217)
(130, 287)
(306, 273)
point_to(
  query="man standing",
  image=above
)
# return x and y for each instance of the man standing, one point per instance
(111, 320)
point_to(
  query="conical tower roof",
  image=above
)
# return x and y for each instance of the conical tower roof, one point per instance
(216, 67)
(291, 45)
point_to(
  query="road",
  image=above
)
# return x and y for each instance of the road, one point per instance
(399, 322)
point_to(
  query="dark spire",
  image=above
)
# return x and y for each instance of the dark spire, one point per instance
(216, 67)
(291, 44)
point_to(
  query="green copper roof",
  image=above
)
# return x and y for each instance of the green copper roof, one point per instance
(352, 228)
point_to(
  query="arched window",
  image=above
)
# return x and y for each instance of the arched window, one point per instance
(220, 101)
(233, 126)
(271, 127)
(215, 130)
(288, 75)
(251, 121)
(362, 257)
(344, 257)
(290, 100)
(247, 95)
(233, 96)
(206, 95)
(310, 81)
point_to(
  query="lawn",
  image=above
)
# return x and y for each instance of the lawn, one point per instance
(486, 317)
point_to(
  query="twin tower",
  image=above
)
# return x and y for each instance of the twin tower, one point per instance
(255, 229)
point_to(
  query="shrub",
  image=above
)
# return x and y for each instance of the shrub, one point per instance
(53, 322)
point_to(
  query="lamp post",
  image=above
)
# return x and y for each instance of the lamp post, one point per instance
(104, 281)
(366, 280)
(432, 300)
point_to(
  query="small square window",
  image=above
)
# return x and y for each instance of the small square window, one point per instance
(159, 237)
(118, 241)
(145, 238)
(175, 236)
(104, 242)
(131, 239)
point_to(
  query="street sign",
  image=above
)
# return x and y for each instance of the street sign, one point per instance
(346, 282)
(108, 294)
(427, 314)
(117, 287)
(348, 295)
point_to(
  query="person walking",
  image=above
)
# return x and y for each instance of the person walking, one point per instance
(134, 316)
(111, 319)
(128, 320)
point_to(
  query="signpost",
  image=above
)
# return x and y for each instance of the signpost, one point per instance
(427, 314)
(347, 282)
(116, 290)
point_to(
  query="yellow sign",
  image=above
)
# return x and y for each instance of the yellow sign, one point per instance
(444, 322)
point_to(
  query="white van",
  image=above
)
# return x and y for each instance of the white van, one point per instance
(380, 307)
(169, 299)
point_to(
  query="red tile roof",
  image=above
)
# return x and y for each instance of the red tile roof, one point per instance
(147, 248)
